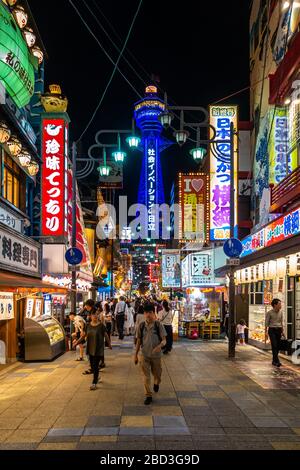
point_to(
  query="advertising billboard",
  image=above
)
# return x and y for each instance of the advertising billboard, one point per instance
(171, 271)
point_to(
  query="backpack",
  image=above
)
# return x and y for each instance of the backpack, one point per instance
(156, 326)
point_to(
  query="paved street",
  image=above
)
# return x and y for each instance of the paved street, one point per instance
(205, 402)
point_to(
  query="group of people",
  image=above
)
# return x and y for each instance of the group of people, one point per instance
(149, 321)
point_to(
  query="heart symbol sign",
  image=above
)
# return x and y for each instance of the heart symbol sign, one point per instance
(197, 185)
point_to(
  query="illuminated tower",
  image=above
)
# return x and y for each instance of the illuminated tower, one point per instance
(151, 189)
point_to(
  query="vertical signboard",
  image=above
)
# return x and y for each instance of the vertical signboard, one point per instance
(171, 269)
(54, 195)
(151, 175)
(221, 118)
(279, 156)
(193, 201)
(154, 272)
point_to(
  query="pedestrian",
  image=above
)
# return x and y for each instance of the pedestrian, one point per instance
(95, 337)
(120, 312)
(151, 338)
(107, 315)
(129, 321)
(165, 316)
(113, 317)
(274, 328)
(240, 331)
(88, 306)
(78, 336)
(226, 324)
(139, 319)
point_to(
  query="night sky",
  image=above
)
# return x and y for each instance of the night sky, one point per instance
(199, 49)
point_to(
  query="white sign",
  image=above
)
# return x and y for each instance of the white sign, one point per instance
(7, 218)
(6, 305)
(18, 253)
(171, 268)
(233, 261)
(199, 268)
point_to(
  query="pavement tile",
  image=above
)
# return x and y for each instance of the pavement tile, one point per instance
(136, 445)
(10, 423)
(214, 394)
(196, 430)
(57, 446)
(71, 422)
(213, 445)
(197, 411)
(279, 431)
(101, 431)
(169, 421)
(170, 445)
(100, 421)
(166, 410)
(235, 422)
(4, 434)
(292, 422)
(241, 431)
(136, 421)
(171, 430)
(253, 446)
(97, 446)
(296, 431)
(285, 445)
(17, 413)
(193, 402)
(40, 422)
(98, 439)
(137, 411)
(32, 435)
(264, 422)
(136, 431)
(19, 446)
(205, 421)
(61, 439)
(182, 394)
(66, 432)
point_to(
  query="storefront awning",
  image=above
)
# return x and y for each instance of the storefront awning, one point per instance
(9, 280)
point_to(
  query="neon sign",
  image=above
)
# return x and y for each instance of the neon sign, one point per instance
(279, 230)
(280, 158)
(221, 118)
(151, 185)
(54, 154)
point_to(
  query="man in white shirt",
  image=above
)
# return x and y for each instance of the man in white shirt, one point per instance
(120, 313)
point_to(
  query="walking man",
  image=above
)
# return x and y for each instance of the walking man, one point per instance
(120, 312)
(274, 328)
(151, 338)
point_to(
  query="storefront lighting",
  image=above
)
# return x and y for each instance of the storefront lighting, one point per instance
(21, 16)
(260, 276)
(119, 156)
(30, 37)
(14, 146)
(198, 154)
(37, 52)
(287, 101)
(24, 158)
(165, 119)
(5, 132)
(33, 168)
(293, 262)
(281, 267)
(104, 170)
(286, 5)
(272, 269)
(133, 141)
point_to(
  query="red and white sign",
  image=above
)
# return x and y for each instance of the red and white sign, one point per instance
(54, 154)
(154, 272)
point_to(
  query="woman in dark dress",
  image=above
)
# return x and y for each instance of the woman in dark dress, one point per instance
(95, 337)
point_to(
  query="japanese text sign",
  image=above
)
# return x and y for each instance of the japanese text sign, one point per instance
(221, 118)
(151, 163)
(280, 159)
(154, 272)
(54, 154)
(6, 305)
(19, 253)
(193, 200)
(171, 268)
(199, 269)
(279, 230)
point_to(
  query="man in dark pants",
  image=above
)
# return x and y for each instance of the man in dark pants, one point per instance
(274, 328)
(120, 312)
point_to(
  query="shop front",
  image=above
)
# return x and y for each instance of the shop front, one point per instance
(270, 268)
(202, 309)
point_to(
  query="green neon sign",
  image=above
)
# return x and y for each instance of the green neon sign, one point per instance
(16, 67)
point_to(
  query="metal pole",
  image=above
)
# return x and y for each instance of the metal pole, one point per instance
(232, 326)
(74, 270)
(112, 269)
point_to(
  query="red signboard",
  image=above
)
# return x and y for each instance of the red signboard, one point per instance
(54, 149)
(194, 201)
(154, 272)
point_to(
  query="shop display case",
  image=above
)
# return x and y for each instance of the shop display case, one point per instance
(44, 338)
(257, 326)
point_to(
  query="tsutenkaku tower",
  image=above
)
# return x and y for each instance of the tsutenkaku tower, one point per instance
(151, 189)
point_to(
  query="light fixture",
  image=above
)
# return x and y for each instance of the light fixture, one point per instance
(37, 52)
(24, 158)
(286, 5)
(198, 154)
(119, 156)
(281, 267)
(14, 146)
(133, 141)
(21, 16)
(287, 101)
(181, 137)
(5, 132)
(11, 3)
(33, 168)
(30, 37)
(104, 170)
(166, 119)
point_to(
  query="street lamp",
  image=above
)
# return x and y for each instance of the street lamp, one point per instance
(119, 155)
(104, 169)
(133, 141)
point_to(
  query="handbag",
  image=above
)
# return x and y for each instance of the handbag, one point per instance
(284, 345)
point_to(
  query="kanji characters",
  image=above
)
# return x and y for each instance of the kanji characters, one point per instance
(6, 248)
(17, 252)
(53, 163)
(26, 255)
(52, 146)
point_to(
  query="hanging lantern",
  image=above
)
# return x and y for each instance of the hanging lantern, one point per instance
(5, 132)
(37, 52)
(11, 3)
(119, 156)
(260, 273)
(198, 154)
(272, 269)
(133, 141)
(24, 158)
(21, 16)
(293, 261)
(281, 267)
(30, 37)
(104, 170)
(14, 146)
(33, 168)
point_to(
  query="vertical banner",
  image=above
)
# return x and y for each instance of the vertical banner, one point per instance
(193, 201)
(154, 272)
(221, 118)
(151, 183)
(171, 270)
(54, 196)
(279, 157)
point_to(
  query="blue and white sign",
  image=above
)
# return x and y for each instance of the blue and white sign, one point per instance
(73, 256)
(233, 248)
(151, 185)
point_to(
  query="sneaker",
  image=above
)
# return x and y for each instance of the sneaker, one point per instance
(165, 352)
(93, 387)
(102, 366)
(79, 359)
(156, 388)
(87, 372)
(148, 401)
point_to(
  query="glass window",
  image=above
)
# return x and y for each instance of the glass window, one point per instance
(14, 183)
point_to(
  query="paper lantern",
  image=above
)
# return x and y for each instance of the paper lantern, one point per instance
(281, 267)
(24, 158)
(293, 262)
(29, 36)
(14, 146)
(272, 269)
(33, 168)
(21, 16)
(260, 272)
(5, 132)
(37, 52)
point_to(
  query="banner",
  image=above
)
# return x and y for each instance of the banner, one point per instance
(6, 305)
(171, 271)
(193, 201)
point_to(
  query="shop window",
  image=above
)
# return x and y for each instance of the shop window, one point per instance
(14, 183)
(259, 293)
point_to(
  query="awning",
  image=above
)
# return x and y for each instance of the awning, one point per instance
(10, 280)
